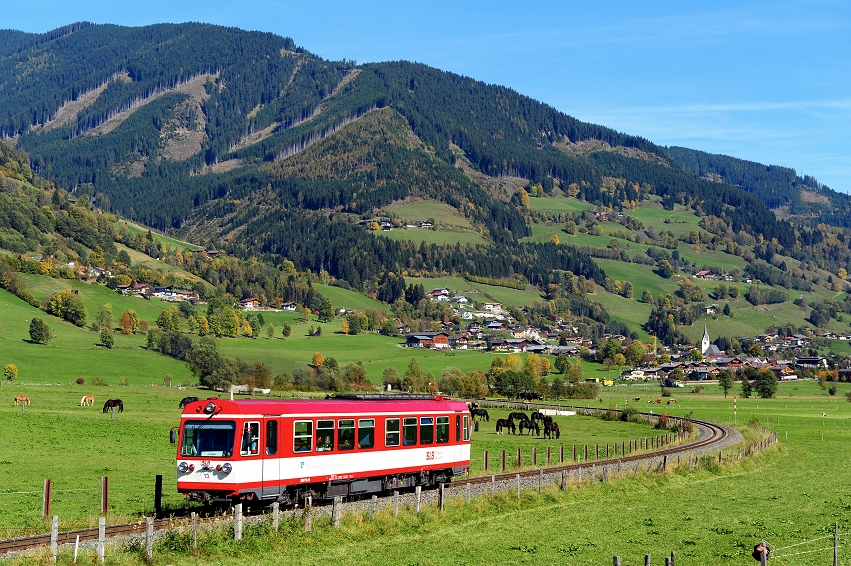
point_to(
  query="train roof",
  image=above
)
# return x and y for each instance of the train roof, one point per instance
(356, 403)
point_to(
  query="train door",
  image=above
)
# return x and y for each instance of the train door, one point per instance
(461, 435)
(271, 457)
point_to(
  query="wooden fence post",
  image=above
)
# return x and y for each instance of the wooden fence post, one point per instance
(486, 460)
(549, 452)
(440, 498)
(561, 454)
(45, 501)
(158, 495)
(149, 536)
(534, 456)
(519, 457)
(574, 452)
(586, 454)
(101, 538)
(503, 460)
(237, 521)
(104, 495)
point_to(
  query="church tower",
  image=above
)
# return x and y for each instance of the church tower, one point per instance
(704, 342)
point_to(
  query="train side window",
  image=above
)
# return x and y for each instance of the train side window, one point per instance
(409, 429)
(466, 428)
(324, 436)
(250, 439)
(366, 433)
(302, 436)
(345, 434)
(271, 437)
(442, 430)
(426, 430)
(457, 428)
(391, 432)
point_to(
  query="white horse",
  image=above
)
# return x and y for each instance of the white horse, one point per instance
(87, 400)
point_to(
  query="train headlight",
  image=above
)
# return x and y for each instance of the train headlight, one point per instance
(210, 408)
(183, 467)
(226, 468)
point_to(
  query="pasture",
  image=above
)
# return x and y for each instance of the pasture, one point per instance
(54, 437)
(789, 495)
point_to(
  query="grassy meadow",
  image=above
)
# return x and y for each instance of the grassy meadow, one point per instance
(788, 495)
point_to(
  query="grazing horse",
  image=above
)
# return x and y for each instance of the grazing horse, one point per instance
(638, 398)
(518, 416)
(507, 424)
(112, 403)
(186, 400)
(23, 399)
(551, 429)
(87, 400)
(530, 426)
(670, 401)
(480, 413)
(536, 416)
(546, 419)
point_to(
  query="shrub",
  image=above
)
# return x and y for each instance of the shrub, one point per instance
(630, 414)
(80, 381)
(167, 380)
(832, 389)
(122, 381)
(661, 422)
(848, 396)
(666, 392)
(99, 380)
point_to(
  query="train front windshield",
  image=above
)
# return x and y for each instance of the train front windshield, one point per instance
(208, 438)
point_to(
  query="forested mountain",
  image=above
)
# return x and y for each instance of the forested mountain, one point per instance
(247, 142)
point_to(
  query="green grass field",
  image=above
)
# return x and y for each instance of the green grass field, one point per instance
(789, 495)
(440, 237)
(420, 210)
(169, 241)
(478, 291)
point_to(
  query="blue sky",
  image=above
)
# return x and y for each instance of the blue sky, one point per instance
(766, 81)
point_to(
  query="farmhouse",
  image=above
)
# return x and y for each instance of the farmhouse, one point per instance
(427, 340)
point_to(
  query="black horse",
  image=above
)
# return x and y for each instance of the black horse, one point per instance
(530, 426)
(186, 400)
(110, 403)
(518, 416)
(551, 429)
(507, 424)
(480, 413)
(536, 416)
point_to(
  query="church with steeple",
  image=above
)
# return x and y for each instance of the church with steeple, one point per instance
(707, 348)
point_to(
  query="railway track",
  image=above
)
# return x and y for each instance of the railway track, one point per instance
(711, 436)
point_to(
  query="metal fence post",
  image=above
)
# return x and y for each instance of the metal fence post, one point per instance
(418, 494)
(335, 511)
(237, 521)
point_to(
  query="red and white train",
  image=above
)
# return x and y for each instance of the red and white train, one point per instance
(285, 450)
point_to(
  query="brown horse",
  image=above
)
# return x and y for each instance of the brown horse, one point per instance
(87, 401)
(23, 399)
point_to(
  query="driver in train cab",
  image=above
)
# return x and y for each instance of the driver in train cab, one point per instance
(249, 439)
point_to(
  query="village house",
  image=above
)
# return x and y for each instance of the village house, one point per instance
(250, 304)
